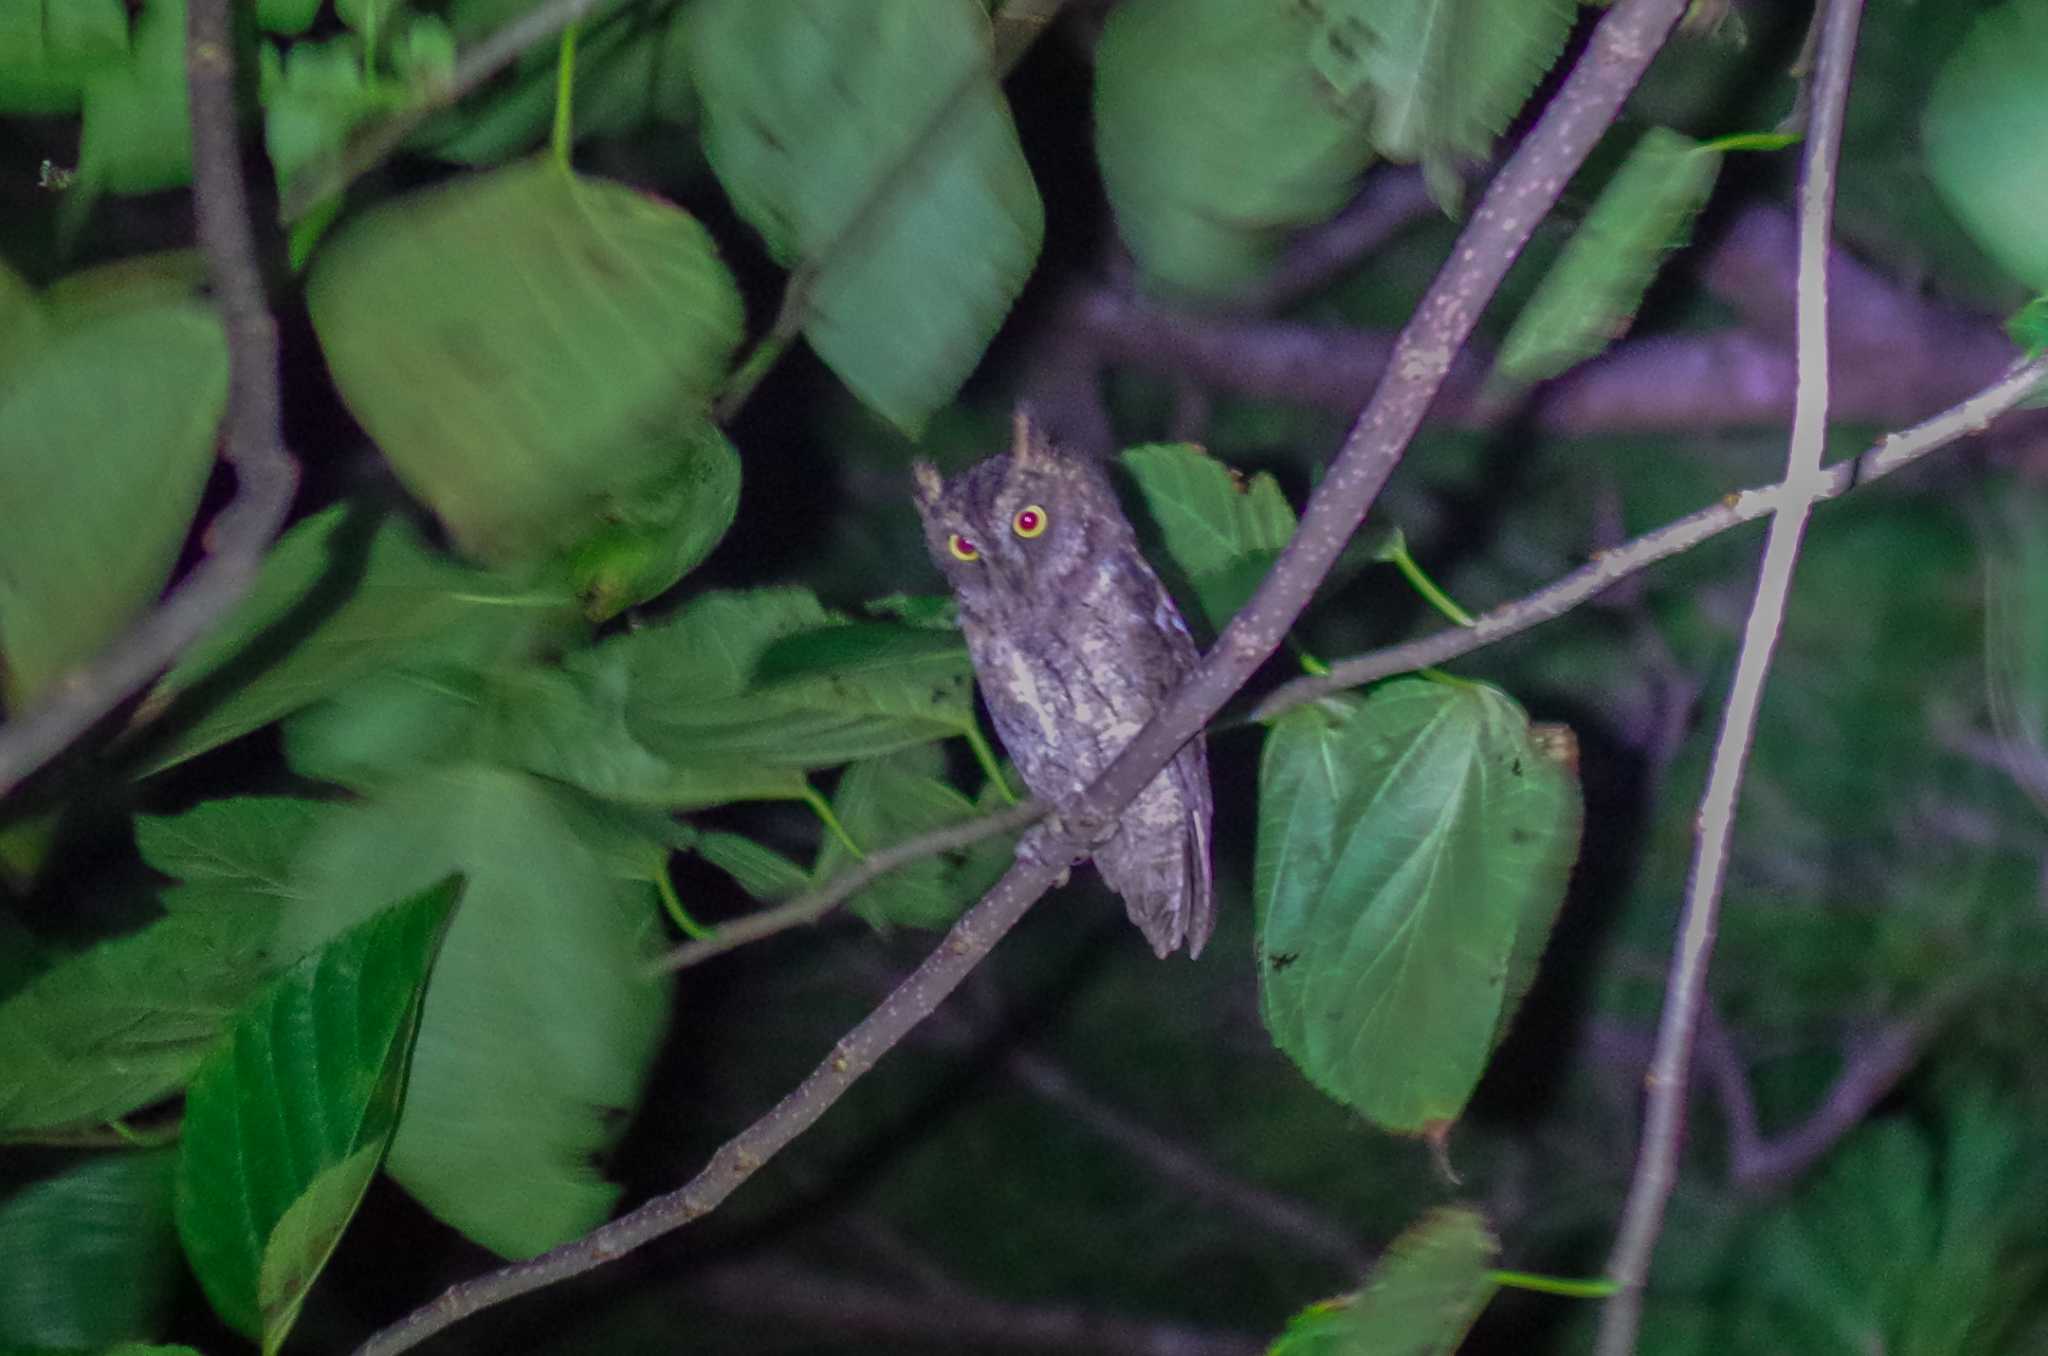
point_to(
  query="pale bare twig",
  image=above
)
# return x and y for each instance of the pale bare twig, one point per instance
(1670, 1068)
(1888, 454)
(265, 474)
(1623, 43)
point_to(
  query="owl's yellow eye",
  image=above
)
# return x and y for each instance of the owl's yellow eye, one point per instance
(1030, 521)
(962, 548)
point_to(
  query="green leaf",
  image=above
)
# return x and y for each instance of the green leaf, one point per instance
(89, 1256)
(386, 725)
(138, 282)
(1421, 1298)
(122, 1024)
(313, 97)
(1441, 77)
(285, 1122)
(530, 349)
(1985, 123)
(761, 871)
(1406, 842)
(134, 138)
(881, 802)
(1589, 297)
(343, 594)
(1217, 138)
(1222, 531)
(655, 539)
(49, 48)
(106, 438)
(23, 324)
(286, 16)
(537, 1033)
(814, 113)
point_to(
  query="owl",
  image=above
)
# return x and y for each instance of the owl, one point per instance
(1075, 643)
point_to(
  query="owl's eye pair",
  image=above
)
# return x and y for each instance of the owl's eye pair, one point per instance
(1029, 522)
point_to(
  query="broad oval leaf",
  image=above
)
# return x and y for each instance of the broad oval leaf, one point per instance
(532, 350)
(1413, 850)
(1224, 532)
(1588, 299)
(1420, 1299)
(1986, 121)
(106, 438)
(537, 1033)
(286, 1121)
(89, 1256)
(1217, 137)
(882, 801)
(52, 46)
(815, 118)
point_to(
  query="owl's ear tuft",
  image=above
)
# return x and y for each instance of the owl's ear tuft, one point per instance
(930, 485)
(1029, 447)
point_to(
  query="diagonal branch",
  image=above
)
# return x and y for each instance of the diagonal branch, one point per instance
(1889, 454)
(265, 474)
(1670, 1069)
(1623, 43)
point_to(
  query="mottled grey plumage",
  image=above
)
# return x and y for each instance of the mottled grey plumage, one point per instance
(1075, 642)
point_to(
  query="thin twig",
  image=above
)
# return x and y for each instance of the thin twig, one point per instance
(1623, 43)
(265, 474)
(1887, 455)
(1871, 1068)
(369, 146)
(1670, 1069)
(787, 1293)
(816, 904)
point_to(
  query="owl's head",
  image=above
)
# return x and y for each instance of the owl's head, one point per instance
(1021, 525)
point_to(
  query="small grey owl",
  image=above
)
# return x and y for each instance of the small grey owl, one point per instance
(1075, 643)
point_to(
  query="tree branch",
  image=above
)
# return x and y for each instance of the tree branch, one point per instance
(1623, 43)
(1888, 454)
(816, 904)
(265, 474)
(784, 1292)
(1871, 1068)
(1670, 1069)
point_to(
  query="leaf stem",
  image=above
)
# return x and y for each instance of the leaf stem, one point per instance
(563, 135)
(1597, 1287)
(990, 766)
(673, 905)
(822, 808)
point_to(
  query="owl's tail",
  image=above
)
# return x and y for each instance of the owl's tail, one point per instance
(1158, 859)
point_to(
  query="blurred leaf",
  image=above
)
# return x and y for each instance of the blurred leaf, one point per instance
(537, 1033)
(531, 350)
(1420, 1299)
(342, 594)
(1985, 123)
(134, 138)
(137, 282)
(285, 1122)
(1217, 138)
(881, 802)
(106, 439)
(632, 67)
(1441, 78)
(123, 1023)
(654, 539)
(1589, 297)
(814, 118)
(386, 724)
(286, 16)
(761, 871)
(24, 324)
(313, 96)
(89, 1256)
(49, 48)
(1406, 842)
(2016, 637)
(1905, 1242)
(2028, 327)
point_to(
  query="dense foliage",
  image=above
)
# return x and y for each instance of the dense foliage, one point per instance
(330, 965)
